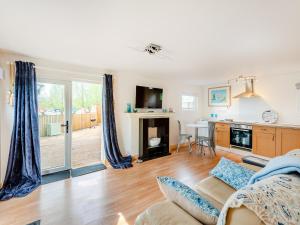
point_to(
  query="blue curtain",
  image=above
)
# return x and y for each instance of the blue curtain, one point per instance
(23, 173)
(112, 150)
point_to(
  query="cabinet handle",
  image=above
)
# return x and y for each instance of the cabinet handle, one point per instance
(273, 137)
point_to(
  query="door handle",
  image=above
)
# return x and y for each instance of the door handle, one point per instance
(66, 126)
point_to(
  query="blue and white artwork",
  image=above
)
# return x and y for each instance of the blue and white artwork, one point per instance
(219, 96)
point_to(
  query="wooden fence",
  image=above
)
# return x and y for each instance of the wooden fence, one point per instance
(79, 121)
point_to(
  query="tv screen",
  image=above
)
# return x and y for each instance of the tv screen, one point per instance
(147, 97)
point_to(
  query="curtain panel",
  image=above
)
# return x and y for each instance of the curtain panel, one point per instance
(23, 173)
(112, 150)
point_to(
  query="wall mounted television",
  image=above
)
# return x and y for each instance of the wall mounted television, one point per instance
(148, 98)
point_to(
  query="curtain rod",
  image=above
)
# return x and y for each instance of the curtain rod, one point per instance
(59, 70)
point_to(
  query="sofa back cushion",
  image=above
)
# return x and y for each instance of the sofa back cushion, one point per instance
(232, 173)
(189, 200)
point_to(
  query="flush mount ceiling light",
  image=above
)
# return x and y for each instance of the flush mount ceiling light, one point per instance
(152, 48)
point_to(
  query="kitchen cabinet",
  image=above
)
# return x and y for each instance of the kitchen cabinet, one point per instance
(222, 135)
(287, 139)
(267, 140)
(264, 141)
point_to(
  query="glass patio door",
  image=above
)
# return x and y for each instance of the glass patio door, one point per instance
(86, 124)
(54, 125)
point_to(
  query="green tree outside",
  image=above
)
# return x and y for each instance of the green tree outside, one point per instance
(85, 95)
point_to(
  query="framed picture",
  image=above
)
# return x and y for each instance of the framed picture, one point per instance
(219, 96)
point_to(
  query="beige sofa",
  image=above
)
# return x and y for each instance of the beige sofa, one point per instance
(215, 191)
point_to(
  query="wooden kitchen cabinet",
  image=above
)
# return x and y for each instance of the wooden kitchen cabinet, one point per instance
(287, 139)
(264, 141)
(222, 135)
(267, 140)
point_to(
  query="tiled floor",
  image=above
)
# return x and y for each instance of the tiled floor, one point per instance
(86, 145)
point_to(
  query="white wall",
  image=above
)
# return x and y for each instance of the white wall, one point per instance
(6, 120)
(124, 92)
(278, 92)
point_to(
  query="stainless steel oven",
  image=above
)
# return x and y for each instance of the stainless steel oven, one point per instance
(241, 136)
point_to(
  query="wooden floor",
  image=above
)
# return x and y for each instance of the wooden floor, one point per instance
(109, 197)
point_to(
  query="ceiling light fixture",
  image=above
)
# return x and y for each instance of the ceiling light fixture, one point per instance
(153, 48)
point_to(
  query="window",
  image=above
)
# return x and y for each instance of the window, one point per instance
(189, 103)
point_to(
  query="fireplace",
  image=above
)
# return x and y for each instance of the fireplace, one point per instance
(150, 131)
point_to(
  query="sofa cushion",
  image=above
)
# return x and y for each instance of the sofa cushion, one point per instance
(189, 200)
(232, 173)
(214, 190)
(165, 213)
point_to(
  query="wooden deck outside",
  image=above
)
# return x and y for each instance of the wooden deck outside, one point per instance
(86, 145)
(79, 121)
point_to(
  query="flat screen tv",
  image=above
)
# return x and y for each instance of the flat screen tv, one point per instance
(149, 98)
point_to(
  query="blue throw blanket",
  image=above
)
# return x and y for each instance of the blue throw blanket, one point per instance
(279, 165)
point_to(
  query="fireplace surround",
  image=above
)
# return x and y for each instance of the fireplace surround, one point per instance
(153, 128)
(132, 120)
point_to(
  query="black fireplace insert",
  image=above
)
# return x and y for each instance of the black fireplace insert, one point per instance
(152, 129)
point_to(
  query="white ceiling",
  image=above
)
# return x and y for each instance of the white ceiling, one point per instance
(208, 40)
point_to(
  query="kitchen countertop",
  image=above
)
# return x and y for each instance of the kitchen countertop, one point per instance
(283, 125)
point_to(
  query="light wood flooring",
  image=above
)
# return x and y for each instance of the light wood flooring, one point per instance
(109, 197)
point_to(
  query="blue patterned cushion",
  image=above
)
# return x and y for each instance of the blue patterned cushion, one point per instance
(232, 173)
(189, 200)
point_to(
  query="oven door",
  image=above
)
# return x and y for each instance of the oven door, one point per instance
(241, 138)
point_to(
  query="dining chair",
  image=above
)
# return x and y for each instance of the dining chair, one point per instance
(209, 140)
(201, 131)
(183, 137)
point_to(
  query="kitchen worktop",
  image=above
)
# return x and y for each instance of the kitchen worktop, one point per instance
(282, 125)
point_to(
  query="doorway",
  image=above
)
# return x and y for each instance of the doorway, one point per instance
(86, 124)
(70, 125)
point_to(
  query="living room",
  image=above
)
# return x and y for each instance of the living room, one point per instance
(149, 113)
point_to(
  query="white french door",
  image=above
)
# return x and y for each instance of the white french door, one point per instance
(54, 100)
(69, 124)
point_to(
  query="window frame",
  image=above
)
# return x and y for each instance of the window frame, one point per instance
(194, 103)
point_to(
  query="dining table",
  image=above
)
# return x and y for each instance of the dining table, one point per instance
(198, 125)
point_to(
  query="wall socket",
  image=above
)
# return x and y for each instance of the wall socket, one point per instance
(298, 86)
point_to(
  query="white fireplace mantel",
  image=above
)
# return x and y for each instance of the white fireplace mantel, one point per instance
(149, 115)
(133, 122)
